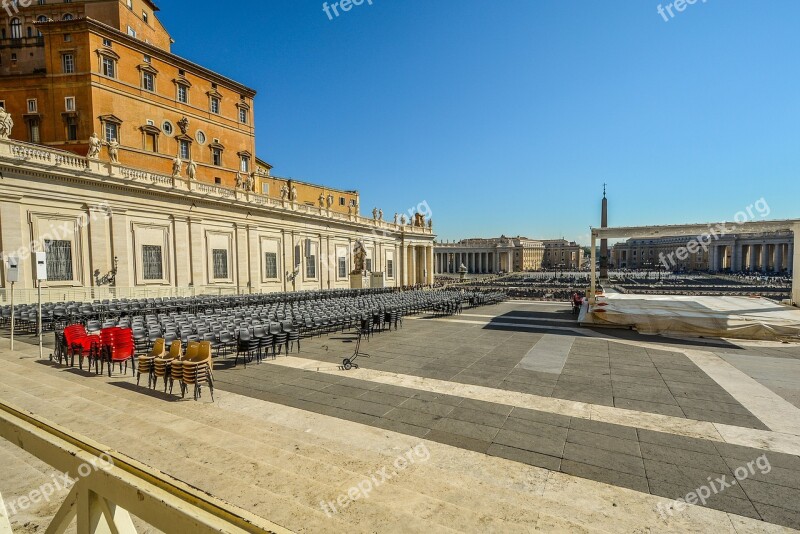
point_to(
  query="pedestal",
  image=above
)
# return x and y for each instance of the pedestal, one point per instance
(359, 281)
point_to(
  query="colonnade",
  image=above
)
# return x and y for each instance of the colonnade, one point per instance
(418, 263)
(476, 262)
(763, 257)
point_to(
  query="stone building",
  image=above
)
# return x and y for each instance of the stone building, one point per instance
(168, 197)
(488, 256)
(560, 253)
(763, 253)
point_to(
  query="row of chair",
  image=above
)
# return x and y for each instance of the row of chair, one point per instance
(191, 369)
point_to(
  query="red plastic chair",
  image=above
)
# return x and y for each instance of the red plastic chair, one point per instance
(118, 347)
(80, 343)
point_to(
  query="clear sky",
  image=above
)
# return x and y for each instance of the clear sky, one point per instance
(508, 116)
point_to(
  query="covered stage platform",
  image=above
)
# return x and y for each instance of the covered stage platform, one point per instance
(696, 316)
(732, 317)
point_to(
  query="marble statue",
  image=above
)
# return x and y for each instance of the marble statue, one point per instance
(94, 147)
(239, 182)
(359, 256)
(294, 194)
(284, 192)
(396, 217)
(430, 223)
(375, 213)
(177, 165)
(321, 200)
(330, 201)
(380, 215)
(6, 123)
(403, 220)
(191, 170)
(113, 151)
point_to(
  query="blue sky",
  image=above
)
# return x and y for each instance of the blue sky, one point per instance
(508, 116)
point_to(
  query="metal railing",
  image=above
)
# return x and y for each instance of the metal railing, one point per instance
(90, 294)
(111, 487)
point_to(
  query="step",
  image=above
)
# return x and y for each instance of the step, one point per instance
(248, 444)
(438, 508)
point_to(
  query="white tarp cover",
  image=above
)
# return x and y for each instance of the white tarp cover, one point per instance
(733, 317)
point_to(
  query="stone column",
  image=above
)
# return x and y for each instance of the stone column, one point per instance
(15, 238)
(240, 258)
(412, 252)
(736, 256)
(254, 259)
(198, 259)
(431, 270)
(99, 243)
(779, 258)
(180, 236)
(764, 258)
(752, 259)
(790, 258)
(121, 247)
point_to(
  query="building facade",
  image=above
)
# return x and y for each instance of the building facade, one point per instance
(135, 170)
(112, 230)
(562, 254)
(71, 70)
(756, 253)
(490, 256)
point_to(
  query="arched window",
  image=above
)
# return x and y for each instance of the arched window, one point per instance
(67, 16)
(40, 18)
(16, 29)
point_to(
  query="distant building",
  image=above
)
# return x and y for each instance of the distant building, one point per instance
(560, 253)
(490, 255)
(764, 253)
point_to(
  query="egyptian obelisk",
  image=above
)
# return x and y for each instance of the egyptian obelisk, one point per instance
(604, 242)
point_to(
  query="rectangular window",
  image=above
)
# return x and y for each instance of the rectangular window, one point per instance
(342, 267)
(217, 156)
(69, 103)
(183, 94)
(265, 189)
(185, 150)
(151, 142)
(68, 63)
(152, 263)
(33, 131)
(215, 105)
(311, 267)
(109, 67)
(112, 132)
(245, 165)
(131, 32)
(59, 260)
(33, 105)
(341, 201)
(220, 257)
(243, 116)
(271, 265)
(72, 132)
(148, 81)
(368, 265)
(390, 268)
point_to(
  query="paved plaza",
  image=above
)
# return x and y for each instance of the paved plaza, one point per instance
(530, 422)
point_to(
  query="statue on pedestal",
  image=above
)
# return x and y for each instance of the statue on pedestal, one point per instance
(380, 215)
(177, 165)
(284, 192)
(330, 201)
(396, 217)
(359, 257)
(191, 170)
(113, 151)
(294, 194)
(94, 147)
(6, 124)
(321, 200)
